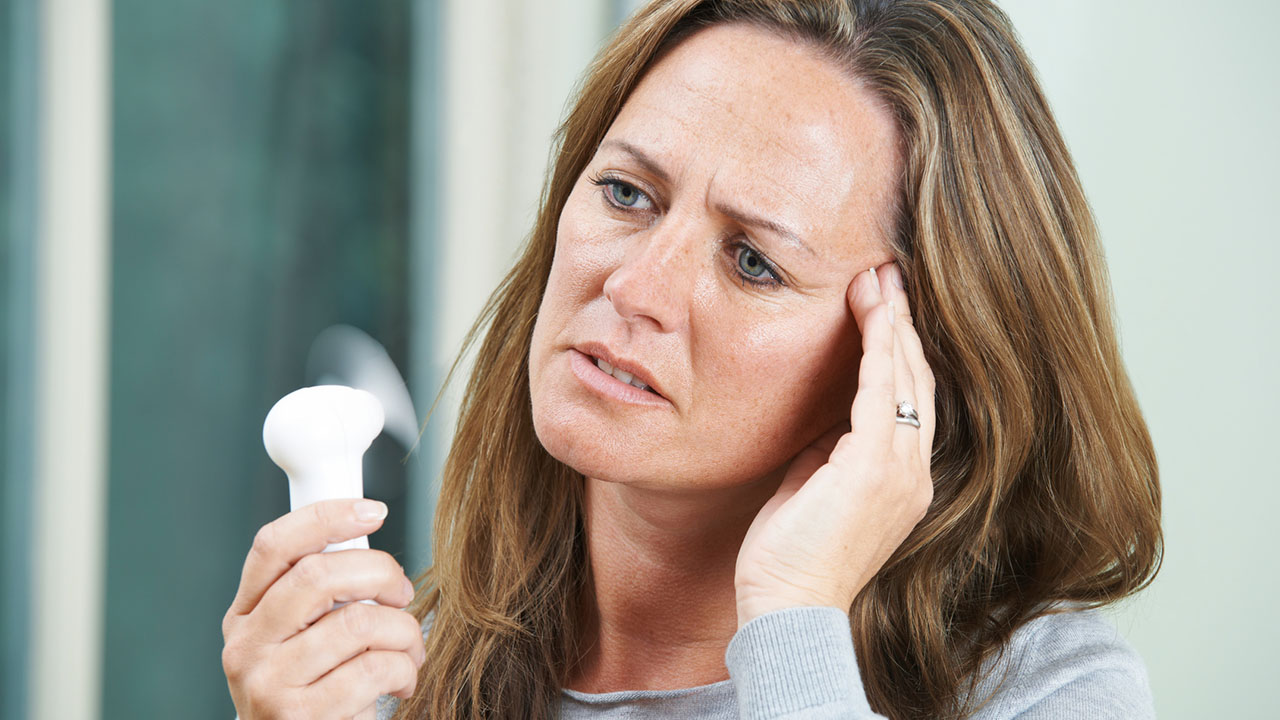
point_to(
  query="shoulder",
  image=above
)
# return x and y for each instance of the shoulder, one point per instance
(1068, 664)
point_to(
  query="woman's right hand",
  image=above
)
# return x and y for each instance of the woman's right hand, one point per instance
(286, 655)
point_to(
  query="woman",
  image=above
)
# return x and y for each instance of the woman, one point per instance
(804, 399)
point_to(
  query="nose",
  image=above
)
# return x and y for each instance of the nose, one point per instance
(655, 281)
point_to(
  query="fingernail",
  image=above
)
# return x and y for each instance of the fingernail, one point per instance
(875, 277)
(408, 587)
(896, 276)
(892, 313)
(370, 510)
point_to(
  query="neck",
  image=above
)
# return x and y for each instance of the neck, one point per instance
(662, 565)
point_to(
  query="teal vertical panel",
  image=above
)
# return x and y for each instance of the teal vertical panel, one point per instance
(426, 376)
(19, 103)
(259, 194)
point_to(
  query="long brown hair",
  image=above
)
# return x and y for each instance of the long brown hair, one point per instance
(1045, 479)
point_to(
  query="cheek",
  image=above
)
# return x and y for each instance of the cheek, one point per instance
(587, 246)
(579, 268)
(785, 382)
(578, 272)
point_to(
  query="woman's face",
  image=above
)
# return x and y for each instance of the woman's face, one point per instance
(707, 249)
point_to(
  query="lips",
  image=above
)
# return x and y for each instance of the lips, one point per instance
(620, 374)
(620, 368)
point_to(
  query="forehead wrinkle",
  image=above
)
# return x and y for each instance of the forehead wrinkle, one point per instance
(652, 143)
(769, 133)
(693, 123)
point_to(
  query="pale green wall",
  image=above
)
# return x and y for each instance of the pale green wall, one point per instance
(1172, 111)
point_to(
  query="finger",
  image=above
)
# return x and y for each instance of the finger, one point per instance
(356, 684)
(343, 634)
(864, 296)
(906, 438)
(281, 543)
(871, 415)
(319, 581)
(909, 340)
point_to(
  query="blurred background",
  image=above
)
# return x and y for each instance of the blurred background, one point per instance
(196, 193)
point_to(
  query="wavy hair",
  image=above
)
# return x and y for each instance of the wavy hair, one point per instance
(1046, 487)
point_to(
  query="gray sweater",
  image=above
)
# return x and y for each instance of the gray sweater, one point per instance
(799, 664)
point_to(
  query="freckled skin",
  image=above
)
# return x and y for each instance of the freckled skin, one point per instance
(737, 117)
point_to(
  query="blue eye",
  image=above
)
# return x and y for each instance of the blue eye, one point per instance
(752, 267)
(750, 262)
(624, 194)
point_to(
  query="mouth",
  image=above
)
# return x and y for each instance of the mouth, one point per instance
(620, 374)
(615, 377)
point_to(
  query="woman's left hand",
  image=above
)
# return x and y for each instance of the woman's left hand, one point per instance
(850, 499)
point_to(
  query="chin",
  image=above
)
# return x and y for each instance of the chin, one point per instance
(585, 446)
(582, 443)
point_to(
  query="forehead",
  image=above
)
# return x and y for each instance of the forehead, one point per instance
(770, 122)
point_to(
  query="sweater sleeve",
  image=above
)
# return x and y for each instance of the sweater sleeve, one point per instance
(797, 663)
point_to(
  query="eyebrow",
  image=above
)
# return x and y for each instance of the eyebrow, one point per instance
(744, 218)
(741, 217)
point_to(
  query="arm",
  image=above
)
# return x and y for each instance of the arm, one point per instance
(797, 663)
(844, 506)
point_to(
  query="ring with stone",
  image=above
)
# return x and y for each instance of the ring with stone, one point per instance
(906, 414)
